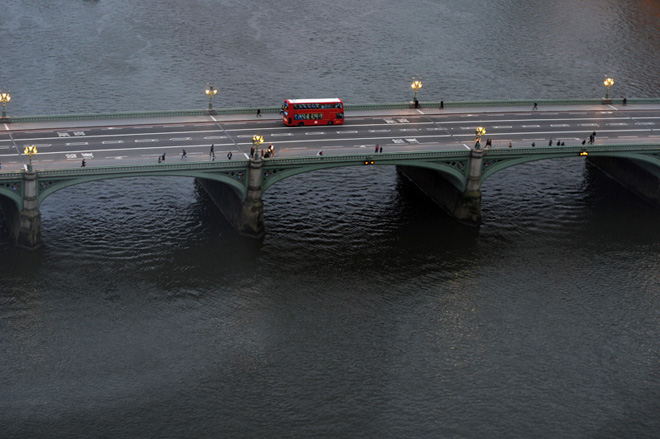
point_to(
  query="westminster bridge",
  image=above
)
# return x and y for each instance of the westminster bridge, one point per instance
(435, 148)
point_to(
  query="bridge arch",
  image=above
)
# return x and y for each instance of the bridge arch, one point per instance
(48, 186)
(497, 161)
(454, 169)
(12, 193)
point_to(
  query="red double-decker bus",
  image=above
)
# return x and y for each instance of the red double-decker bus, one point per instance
(313, 112)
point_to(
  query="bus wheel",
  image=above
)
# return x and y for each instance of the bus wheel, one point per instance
(330, 122)
(300, 124)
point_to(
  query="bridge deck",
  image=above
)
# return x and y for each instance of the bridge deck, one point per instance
(63, 144)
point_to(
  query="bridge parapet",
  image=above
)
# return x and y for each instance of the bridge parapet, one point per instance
(349, 107)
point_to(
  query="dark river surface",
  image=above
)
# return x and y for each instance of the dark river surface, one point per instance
(365, 312)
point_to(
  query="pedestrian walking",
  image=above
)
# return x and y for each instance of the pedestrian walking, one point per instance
(510, 145)
(183, 154)
(159, 159)
(376, 148)
(625, 102)
(533, 144)
(416, 103)
(229, 154)
(380, 149)
(562, 144)
(535, 107)
(584, 141)
(258, 112)
(442, 105)
(84, 163)
(550, 143)
(212, 152)
(163, 156)
(252, 151)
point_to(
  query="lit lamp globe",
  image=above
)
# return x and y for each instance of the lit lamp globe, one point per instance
(479, 132)
(211, 91)
(416, 85)
(4, 98)
(29, 151)
(256, 141)
(608, 83)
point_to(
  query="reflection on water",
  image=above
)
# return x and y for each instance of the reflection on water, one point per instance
(365, 311)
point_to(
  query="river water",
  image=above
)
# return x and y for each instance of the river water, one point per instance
(365, 311)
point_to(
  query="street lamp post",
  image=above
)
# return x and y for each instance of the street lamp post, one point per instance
(30, 150)
(211, 91)
(608, 83)
(257, 140)
(416, 85)
(480, 131)
(4, 98)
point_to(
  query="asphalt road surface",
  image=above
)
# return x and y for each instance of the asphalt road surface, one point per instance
(139, 141)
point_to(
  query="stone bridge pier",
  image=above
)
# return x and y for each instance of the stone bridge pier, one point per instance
(24, 223)
(464, 204)
(245, 215)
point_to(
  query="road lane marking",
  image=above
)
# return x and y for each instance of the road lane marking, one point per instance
(559, 125)
(531, 126)
(76, 144)
(111, 142)
(177, 139)
(145, 140)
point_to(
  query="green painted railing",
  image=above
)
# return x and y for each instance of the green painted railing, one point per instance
(349, 107)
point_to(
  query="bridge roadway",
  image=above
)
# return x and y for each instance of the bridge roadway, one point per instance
(63, 145)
